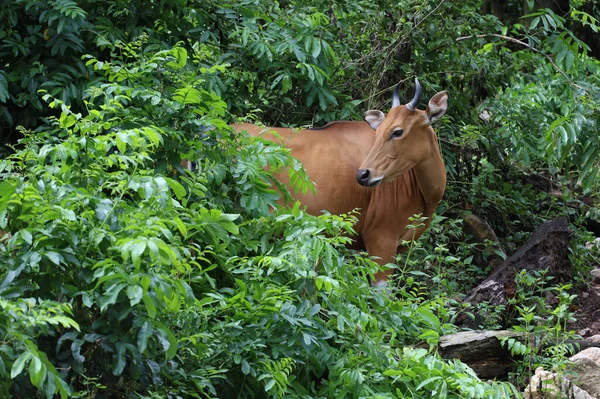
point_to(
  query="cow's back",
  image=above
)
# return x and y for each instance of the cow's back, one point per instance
(331, 156)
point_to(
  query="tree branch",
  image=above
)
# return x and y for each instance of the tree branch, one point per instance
(517, 41)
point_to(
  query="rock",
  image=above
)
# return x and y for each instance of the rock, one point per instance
(581, 380)
(586, 332)
(590, 353)
(595, 273)
(547, 248)
(485, 115)
(585, 373)
(593, 338)
(548, 385)
(592, 244)
(586, 369)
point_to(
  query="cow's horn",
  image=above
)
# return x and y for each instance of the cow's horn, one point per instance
(412, 105)
(396, 97)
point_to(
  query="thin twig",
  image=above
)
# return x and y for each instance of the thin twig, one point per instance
(413, 28)
(380, 92)
(398, 43)
(395, 45)
(517, 41)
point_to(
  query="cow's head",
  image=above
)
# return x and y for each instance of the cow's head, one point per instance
(403, 138)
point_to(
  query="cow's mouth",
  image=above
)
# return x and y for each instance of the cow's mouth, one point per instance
(374, 182)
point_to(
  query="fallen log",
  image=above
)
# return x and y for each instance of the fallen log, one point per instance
(482, 350)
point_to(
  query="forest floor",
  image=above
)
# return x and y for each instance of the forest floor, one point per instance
(587, 308)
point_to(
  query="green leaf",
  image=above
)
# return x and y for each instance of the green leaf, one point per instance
(110, 296)
(315, 309)
(180, 54)
(172, 345)
(188, 95)
(286, 84)
(393, 373)
(26, 236)
(245, 367)
(569, 60)
(135, 294)
(534, 22)
(322, 101)
(137, 249)
(67, 120)
(551, 21)
(4, 94)
(167, 340)
(181, 226)
(590, 179)
(276, 81)
(53, 257)
(316, 47)
(428, 381)
(563, 134)
(269, 385)
(150, 306)
(307, 338)
(429, 335)
(7, 189)
(428, 316)
(19, 364)
(177, 188)
(145, 332)
(37, 373)
(64, 321)
(152, 133)
(61, 387)
(119, 360)
(229, 216)
(231, 227)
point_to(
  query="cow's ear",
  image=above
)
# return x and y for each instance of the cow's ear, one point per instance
(437, 107)
(374, 118)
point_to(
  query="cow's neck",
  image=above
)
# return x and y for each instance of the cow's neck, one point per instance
(431, 177)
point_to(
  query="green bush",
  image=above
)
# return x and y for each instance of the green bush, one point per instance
(133, 276)
(124, 275)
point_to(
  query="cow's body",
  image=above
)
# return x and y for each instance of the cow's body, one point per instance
(333, 155)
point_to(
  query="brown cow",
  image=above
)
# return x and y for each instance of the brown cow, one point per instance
(402, 152)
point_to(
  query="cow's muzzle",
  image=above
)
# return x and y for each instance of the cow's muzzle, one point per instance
(364, 178)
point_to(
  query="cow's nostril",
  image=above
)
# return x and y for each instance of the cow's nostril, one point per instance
(362, 176)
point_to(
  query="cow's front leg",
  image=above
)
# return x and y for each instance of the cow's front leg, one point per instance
(384, 248)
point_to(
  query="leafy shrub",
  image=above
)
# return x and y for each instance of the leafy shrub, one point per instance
(163, 281)
(125, 275)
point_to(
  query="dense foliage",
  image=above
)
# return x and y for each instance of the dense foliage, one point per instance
(124, 275)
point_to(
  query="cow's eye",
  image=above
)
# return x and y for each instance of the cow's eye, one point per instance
(397, 133)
